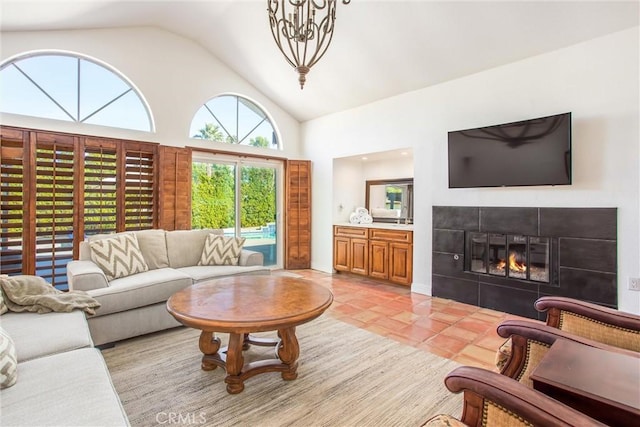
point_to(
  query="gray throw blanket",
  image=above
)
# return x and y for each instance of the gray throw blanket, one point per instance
(35, 294)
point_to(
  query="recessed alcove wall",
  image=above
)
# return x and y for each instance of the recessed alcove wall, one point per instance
(585, 256)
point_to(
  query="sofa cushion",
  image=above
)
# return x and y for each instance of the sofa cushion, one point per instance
(139, 290)
(8, 361)
(185, 246)
(36, 335)
(205, 272)
(221, 250)
(118, 256)
(67, 389)
(3, 305)
(153, 245)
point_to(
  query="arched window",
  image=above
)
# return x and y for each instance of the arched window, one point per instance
(69, 87)
(235, 120)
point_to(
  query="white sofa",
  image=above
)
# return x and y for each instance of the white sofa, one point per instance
(62, 380)
(136, 304)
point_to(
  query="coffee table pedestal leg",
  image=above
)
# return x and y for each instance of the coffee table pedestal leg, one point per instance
(231, 359)
(288, 352)
(209, 346)
(235, 362)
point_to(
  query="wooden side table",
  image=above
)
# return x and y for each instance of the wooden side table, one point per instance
(603, 384)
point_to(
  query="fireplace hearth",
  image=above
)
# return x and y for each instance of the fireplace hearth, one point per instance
(505, 258)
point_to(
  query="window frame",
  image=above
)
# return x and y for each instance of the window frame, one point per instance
(82, 57)
(229, 139)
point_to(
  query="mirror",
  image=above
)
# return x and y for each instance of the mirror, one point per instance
(390, 200)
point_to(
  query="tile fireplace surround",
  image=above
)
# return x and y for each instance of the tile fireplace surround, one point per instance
(582, 256)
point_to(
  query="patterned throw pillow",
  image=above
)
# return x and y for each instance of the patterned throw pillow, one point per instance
(8, 361)
(118, 256)
(221, 250)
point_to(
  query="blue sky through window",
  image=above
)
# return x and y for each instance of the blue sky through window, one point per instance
(70, 88)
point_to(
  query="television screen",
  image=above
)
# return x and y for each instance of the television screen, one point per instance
(530, 152)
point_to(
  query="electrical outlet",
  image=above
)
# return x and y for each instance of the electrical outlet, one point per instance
(634, 283)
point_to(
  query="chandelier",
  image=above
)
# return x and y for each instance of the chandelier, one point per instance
(302, 36)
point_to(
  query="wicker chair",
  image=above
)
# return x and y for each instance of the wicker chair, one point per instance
(602, 324)
(491, 399)
(528, 342)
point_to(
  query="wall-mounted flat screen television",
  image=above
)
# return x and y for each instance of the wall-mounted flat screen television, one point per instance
(529, 152)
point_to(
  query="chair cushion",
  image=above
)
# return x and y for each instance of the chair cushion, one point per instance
(37, 335)
(221, 250)
(8, 361)
(118, 256)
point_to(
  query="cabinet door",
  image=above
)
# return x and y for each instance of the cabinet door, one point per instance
(400, 263)
(341, 253)
(360, 256)
(379, 259)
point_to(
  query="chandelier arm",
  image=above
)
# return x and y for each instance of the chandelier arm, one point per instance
(279, 28)
(321, 46)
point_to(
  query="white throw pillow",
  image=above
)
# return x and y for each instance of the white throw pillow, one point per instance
(118, 256)
(221, 250)
(8, 361)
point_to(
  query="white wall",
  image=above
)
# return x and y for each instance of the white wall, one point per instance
(174, 74)
(351, 173)
(597, 81)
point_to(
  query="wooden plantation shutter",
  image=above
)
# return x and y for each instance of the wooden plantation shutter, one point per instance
(100, 196)
(174, 177)
(139, 182)
(298, 214)
(54, 205)
(14, 218)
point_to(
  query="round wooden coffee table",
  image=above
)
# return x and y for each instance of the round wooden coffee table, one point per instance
(240, 305)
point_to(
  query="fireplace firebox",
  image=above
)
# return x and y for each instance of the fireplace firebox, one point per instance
(509, 255)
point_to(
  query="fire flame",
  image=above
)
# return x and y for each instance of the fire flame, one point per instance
(513, 264)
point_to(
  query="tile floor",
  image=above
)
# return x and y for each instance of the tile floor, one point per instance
(461, 332)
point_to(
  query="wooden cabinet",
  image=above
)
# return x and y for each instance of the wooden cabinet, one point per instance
(351, 250)
(379, 253)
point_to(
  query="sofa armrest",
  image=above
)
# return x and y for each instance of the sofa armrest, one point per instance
(85, 276)
(248, 257)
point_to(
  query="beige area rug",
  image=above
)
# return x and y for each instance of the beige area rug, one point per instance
(346, 377)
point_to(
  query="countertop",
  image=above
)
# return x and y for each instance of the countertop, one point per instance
(385, 225)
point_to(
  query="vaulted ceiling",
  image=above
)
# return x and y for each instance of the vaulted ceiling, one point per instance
(380, 48)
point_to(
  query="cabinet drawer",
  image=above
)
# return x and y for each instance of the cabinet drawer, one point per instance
(361, 232)
(391, 235)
